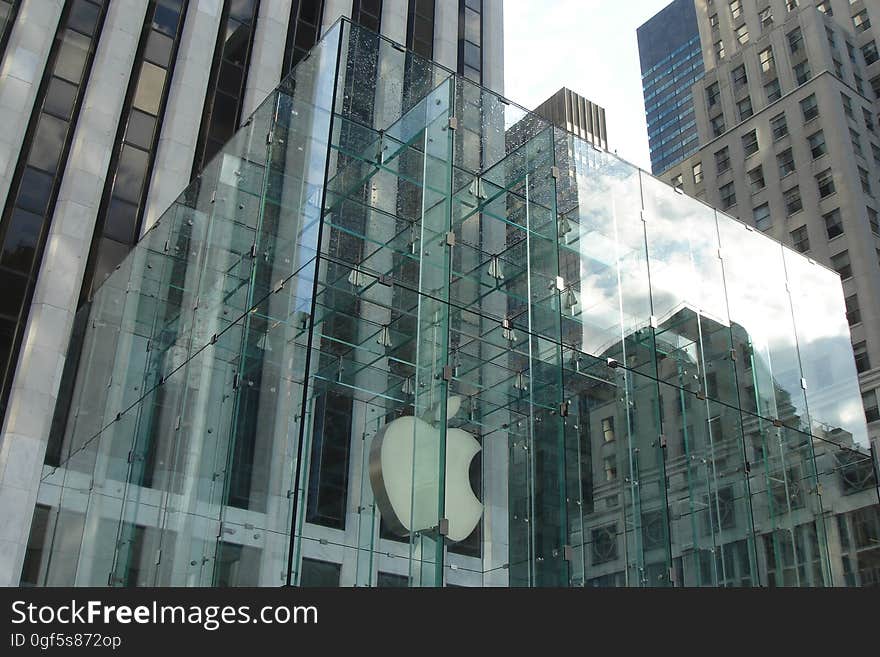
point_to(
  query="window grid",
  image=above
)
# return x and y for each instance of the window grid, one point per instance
(37, 178)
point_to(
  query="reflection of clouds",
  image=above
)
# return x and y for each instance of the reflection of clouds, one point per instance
(683, 252)
(746, 288)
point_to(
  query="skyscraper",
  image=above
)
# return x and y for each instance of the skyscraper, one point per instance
(790, 144)
(109, 109)
(671, 61)
(576, 114)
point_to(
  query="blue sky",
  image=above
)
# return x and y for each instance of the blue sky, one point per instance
(588, 46)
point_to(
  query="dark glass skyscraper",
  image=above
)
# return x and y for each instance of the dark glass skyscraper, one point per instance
(671, 60)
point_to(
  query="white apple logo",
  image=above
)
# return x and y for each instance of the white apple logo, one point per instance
(395, 485)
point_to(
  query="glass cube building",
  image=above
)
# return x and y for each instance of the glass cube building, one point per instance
(402, 332)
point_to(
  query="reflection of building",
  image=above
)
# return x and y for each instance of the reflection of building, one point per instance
(109, 109)
(786, 115)
(649, 410)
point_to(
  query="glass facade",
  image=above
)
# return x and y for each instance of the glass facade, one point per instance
(671, 62)
(436, 341)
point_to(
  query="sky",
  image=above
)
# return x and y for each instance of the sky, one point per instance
(588, 46)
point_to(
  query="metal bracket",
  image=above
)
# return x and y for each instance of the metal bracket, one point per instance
(563, 409)
(567, 553)
(662, 440)
(450, 238)
(554, 172)
(453, 123)
(803, 383)
(447, 373)
(443, 527)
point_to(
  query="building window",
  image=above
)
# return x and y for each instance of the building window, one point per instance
(8, 13)
(866, 181)
(315, 573)
(869, 119)
(802, 72)
(830, 34)
(367, 13)
(744, 108)
(833, 224)
(785, 159)
(873, 221)
(719, 50)
(608, 429)
(766, 59)
(761, 216)
(728, 196)
(420, 27)
(853, 314)
(470, 39)
(809, 108)
(779, 126)
(875, 87)
(766, 19)
(869, 401)
(698, 173)
(847, 105)
(610, 468)
(792, 199)
(817, 144)
(841, 264)
(35, 181)
(677, 181)
(860, 84)
(875, 150)
(713, 21)
(756, 179)
(861, 21)
(851, 51)
(739, 77)
(825, 183)
(225, 94)
(795, 41)
(118, 223)
(856, 142)
(713, 94)
(750, 143)
(825, 7)
(869, 52)
(800, 239)
(742, 34)
(860, 352)
(722, 160)
(773, 90)
(736, 9)
(791, 5)
(303, 29)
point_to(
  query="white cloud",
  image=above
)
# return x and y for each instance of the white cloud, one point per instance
(588, 46)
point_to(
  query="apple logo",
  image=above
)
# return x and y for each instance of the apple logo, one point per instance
(396, 486)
